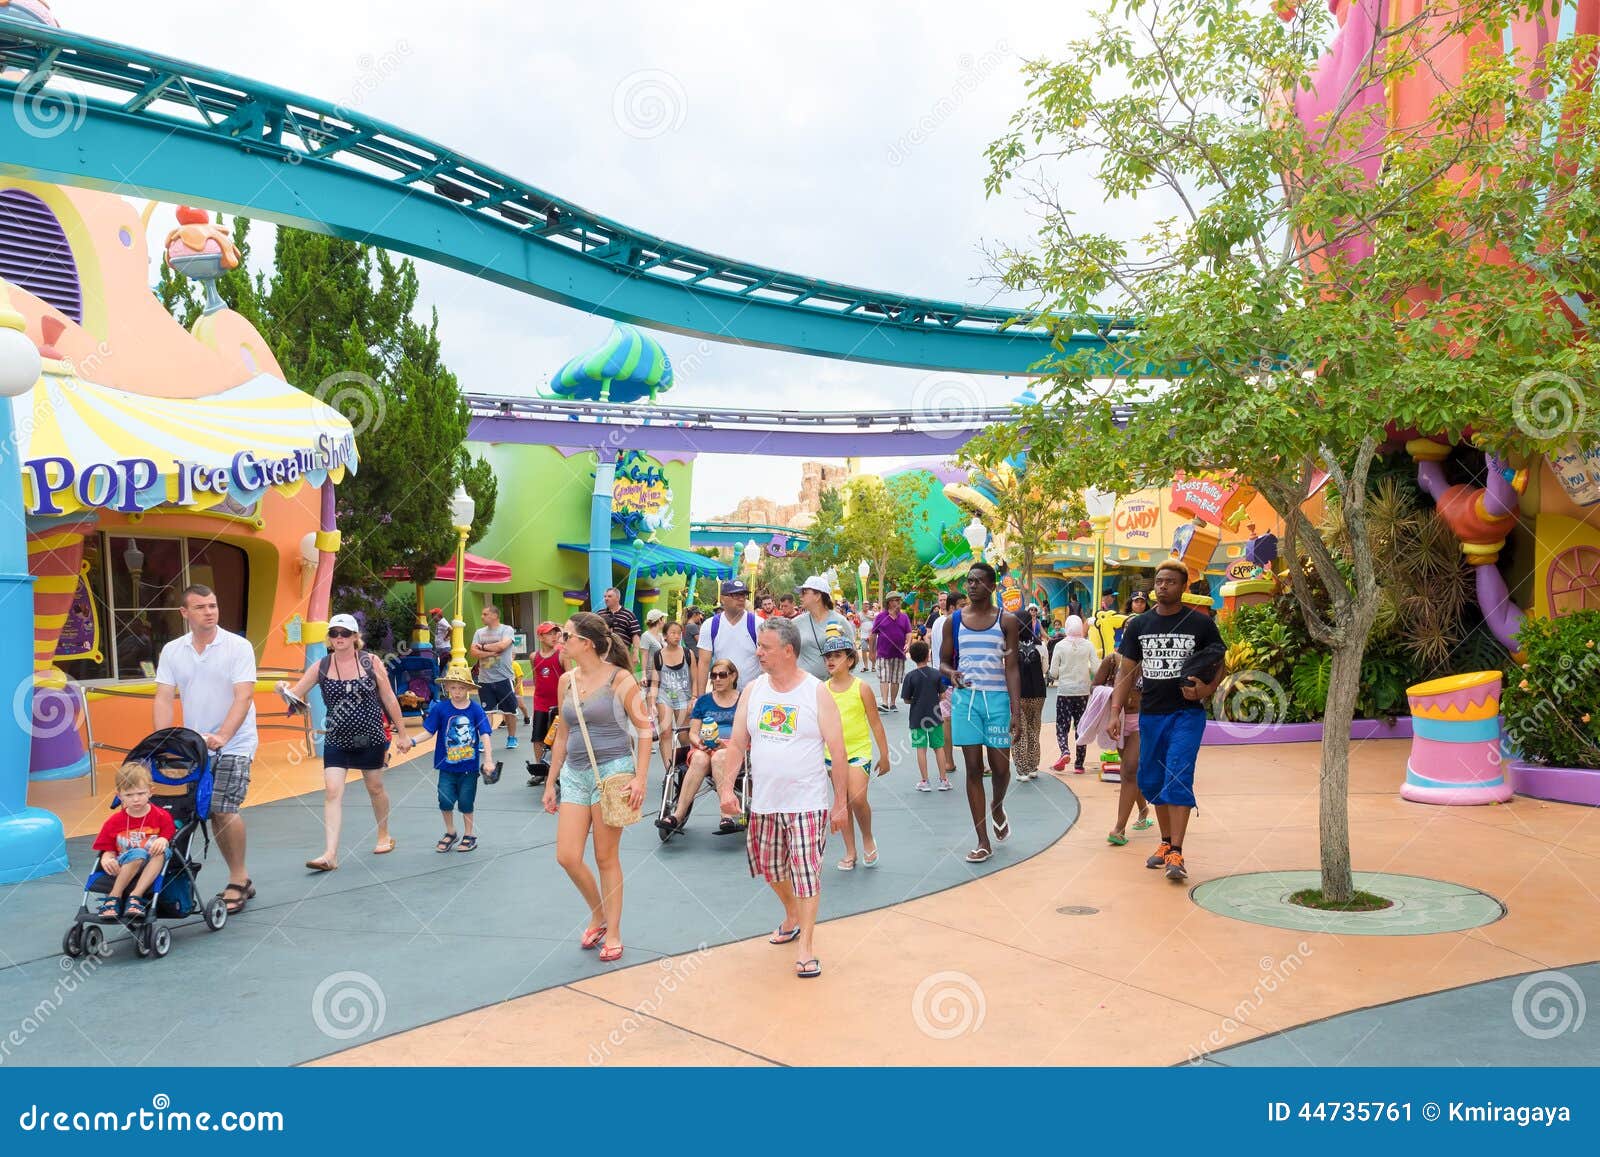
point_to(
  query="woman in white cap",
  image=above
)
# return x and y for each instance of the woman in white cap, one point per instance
(357, 696)
(816, 616)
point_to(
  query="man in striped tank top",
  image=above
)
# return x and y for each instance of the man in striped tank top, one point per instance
(978, 654)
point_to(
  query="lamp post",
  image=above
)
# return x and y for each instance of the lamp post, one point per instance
(976, 535)
(862, 570)
(752, 559)
(1101, 504)
(462, 510)
(32, 842)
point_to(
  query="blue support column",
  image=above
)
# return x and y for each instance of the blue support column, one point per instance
(32, 841)
(605, 476)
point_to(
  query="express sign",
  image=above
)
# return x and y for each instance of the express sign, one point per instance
(130, 484)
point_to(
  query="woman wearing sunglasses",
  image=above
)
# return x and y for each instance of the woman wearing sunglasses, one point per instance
(612, 737)
(357, 697)
(710, 726)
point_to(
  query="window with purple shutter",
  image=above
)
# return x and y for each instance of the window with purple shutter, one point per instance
(34, 253)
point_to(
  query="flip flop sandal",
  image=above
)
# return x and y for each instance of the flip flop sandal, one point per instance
(979, 855)
(1116, 840)
(381, 850)
(1002, 831)
(808, 969)
(592, 937)
(446, 842)
(870, 861)
(779, 936)
(846, 865)
(1144, 825)
(610, 953)
(321, 864)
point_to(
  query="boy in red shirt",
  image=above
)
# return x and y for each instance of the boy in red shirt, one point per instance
(133, 844)
(546, 664)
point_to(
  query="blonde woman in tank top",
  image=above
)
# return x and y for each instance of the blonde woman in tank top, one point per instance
(602, 686)
(863, 725)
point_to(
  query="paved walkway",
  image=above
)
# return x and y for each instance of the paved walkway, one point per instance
(1077, 955)
(388, 943)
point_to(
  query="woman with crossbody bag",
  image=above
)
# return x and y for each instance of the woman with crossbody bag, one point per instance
(599, 770)
(357, 698)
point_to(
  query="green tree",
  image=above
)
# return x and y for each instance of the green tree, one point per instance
(1031, 504)
(872, 519)
(1321, 284)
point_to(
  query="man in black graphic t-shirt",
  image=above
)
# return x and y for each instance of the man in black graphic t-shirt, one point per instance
(1172, 715)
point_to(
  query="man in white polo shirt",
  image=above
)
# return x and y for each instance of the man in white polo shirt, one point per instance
(213, 672)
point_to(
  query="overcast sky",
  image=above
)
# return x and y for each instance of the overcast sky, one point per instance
(839, 140)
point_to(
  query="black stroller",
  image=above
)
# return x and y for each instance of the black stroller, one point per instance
(181, 779)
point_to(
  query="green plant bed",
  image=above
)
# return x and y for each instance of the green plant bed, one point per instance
(1359, 902)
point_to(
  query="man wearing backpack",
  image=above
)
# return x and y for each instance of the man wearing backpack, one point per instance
(731, 636)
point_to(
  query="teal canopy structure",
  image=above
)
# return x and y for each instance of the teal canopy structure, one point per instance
(627, 366)
(652, 560)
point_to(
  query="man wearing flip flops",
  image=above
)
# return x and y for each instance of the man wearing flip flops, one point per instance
(789, 722)
(978, 654)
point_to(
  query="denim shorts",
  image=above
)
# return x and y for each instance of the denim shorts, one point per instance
(1169, 747)
(579, 785)
(134, 856)
(458, 790)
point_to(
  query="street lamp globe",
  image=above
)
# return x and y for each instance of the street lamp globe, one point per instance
(462, 509)
(1099, 503)
(976, 534)
(752, 553)
(863, 568)
(20, 364)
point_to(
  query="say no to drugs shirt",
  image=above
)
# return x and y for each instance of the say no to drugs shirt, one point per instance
(1161, 644)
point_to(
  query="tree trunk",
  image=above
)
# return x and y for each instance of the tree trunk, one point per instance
(1344, 684)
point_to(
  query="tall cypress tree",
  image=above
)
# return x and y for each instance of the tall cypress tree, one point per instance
(339, 317)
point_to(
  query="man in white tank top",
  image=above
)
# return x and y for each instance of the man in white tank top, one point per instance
(790, 725)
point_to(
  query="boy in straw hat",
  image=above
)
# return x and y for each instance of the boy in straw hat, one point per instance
(461, 748)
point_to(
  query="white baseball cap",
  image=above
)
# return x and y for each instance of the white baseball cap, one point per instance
(348, 622)
(817, 583)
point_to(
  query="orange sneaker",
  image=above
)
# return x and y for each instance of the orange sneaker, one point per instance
(1175, 868)
(1159, 857)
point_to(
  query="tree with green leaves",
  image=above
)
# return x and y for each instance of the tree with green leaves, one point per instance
(340, 318)
(873, 519)
(1032, 505)
(1327, 281)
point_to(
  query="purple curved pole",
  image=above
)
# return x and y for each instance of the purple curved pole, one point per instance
(1503, 616)
(1430, 476)
(1500, 499)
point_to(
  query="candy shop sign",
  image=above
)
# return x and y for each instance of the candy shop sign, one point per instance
(1136, 519)
(126, 483)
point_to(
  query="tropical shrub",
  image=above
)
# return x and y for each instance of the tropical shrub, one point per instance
(1551, 703)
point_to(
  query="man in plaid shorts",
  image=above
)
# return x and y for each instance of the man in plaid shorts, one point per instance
(788, 722)
(213, 672)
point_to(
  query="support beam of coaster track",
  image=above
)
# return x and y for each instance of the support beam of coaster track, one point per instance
(102, 115)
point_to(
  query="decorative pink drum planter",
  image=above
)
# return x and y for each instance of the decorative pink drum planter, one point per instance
(1455, 744)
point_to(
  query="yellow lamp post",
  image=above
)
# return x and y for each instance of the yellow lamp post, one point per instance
(752, 559)
(862, 570)
(976, 535)
(1101, 504)
(462, 510)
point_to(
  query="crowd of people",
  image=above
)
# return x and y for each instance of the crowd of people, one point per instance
(794, 694)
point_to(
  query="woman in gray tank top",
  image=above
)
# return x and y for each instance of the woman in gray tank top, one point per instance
(615, 714)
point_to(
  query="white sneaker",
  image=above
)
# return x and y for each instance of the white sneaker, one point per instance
(922, 785)
(944, 785)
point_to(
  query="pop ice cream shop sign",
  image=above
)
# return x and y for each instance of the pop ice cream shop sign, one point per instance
(131, 485)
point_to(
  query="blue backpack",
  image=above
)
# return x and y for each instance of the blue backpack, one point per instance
(716, 623)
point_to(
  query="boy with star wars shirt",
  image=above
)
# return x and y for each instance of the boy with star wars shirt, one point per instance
(460, 749)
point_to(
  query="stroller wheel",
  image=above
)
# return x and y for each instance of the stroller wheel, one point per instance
(215, 913)
(94, 941)
(141, 940)
(160, 939)
(72, 942)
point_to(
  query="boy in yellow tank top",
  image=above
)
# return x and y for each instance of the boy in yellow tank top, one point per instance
(858, 708)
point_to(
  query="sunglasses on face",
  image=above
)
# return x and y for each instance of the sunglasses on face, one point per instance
(339, 633)
(721, 675)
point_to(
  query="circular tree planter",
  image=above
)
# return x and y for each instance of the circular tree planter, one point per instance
(1419, 906)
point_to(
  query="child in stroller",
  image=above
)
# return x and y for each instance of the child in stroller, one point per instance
(144, 849)
(133, 845)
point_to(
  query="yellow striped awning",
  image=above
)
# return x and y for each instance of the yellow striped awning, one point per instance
(84, 445)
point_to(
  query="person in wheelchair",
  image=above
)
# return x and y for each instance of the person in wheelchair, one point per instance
(710, 726)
